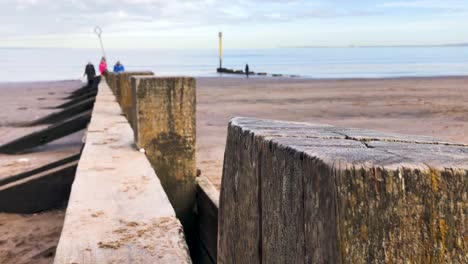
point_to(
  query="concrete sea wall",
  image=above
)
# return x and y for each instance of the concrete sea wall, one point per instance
(118, 211)
(161, 111)
(164, 125)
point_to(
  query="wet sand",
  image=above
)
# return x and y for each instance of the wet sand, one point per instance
(422, 106)
(31, 238)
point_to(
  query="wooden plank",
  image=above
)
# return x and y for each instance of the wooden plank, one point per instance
(207, 209)
(46, 190)
(118, 211)
(47, 135)
(296, 192)
(240, 206)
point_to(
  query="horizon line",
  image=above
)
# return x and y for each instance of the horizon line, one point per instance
(280, 47)
(384, 46)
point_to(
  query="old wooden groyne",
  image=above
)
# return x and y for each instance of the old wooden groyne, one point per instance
(303, 193)
(291, 192)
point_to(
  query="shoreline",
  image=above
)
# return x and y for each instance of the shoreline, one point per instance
(25, 82)
(299, 77)
(281, 78)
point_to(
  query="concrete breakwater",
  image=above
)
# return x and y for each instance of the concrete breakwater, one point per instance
(291, 192)
(162, 113)
(118, 211)
(294, 192)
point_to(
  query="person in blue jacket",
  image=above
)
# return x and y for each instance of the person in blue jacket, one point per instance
(118, 67)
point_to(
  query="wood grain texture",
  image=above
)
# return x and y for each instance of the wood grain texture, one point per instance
(118, 211)
(207, 212)
(297, 192)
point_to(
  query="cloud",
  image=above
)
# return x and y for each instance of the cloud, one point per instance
(79, 16)
(429, 4)
(60, 21)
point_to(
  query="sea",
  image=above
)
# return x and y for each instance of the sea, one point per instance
(36, 64)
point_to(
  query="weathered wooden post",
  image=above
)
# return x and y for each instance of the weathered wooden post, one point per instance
(302, 193)
(164, 126)
(124, 94)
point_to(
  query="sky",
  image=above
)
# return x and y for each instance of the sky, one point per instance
(182, 24)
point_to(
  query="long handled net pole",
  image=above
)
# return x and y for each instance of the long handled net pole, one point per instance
(98, 32)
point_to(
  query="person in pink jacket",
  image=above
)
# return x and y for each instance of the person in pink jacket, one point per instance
(103, 66)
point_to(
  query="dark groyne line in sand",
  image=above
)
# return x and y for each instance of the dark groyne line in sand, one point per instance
(76, 100)
(85, 89)
(50, 166)
(74, 117)
(47, 135)
(66, 113)
(44, 191)
(81, 93)
(47, 186)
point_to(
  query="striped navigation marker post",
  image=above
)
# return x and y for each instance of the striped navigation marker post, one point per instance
(220, 50)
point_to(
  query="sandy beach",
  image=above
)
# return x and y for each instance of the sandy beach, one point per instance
(23, 103)
(32, 238)
(422, 106)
